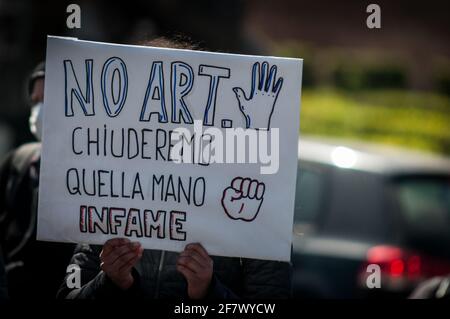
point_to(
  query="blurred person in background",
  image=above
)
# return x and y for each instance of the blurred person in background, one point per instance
(33, 269)
(3, 289)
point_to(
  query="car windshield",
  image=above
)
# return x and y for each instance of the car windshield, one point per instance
(425, 206)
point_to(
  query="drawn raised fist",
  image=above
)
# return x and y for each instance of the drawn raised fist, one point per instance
(243, 199)
(259, 106)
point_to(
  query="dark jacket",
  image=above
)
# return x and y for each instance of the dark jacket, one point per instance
(3, 289)
(156, 277)
(34, 269)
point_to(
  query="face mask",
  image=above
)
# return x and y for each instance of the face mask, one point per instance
(35, 120)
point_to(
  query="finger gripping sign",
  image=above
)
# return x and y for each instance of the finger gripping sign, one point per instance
(169, 147)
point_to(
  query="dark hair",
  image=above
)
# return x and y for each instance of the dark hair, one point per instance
(37, 73)
(176, 42)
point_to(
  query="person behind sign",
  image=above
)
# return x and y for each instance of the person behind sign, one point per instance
(28, 276)
(122, 268)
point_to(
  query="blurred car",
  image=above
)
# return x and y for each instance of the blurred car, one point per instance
(358, 205)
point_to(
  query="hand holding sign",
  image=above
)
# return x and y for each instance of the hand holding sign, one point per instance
(258, 107)
(243, 199)
(118, 257)
(197, 267)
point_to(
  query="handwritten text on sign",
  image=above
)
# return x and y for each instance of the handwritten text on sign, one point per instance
(169, 147)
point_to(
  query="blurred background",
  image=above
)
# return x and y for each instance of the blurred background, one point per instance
(374, 175)
(388, 85)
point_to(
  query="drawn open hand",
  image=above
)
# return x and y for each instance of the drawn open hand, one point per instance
(243, 199)
(259, 106)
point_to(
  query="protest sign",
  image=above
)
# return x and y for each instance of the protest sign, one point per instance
(168, 147)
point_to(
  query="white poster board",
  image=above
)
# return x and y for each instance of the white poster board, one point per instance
(169, 147)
